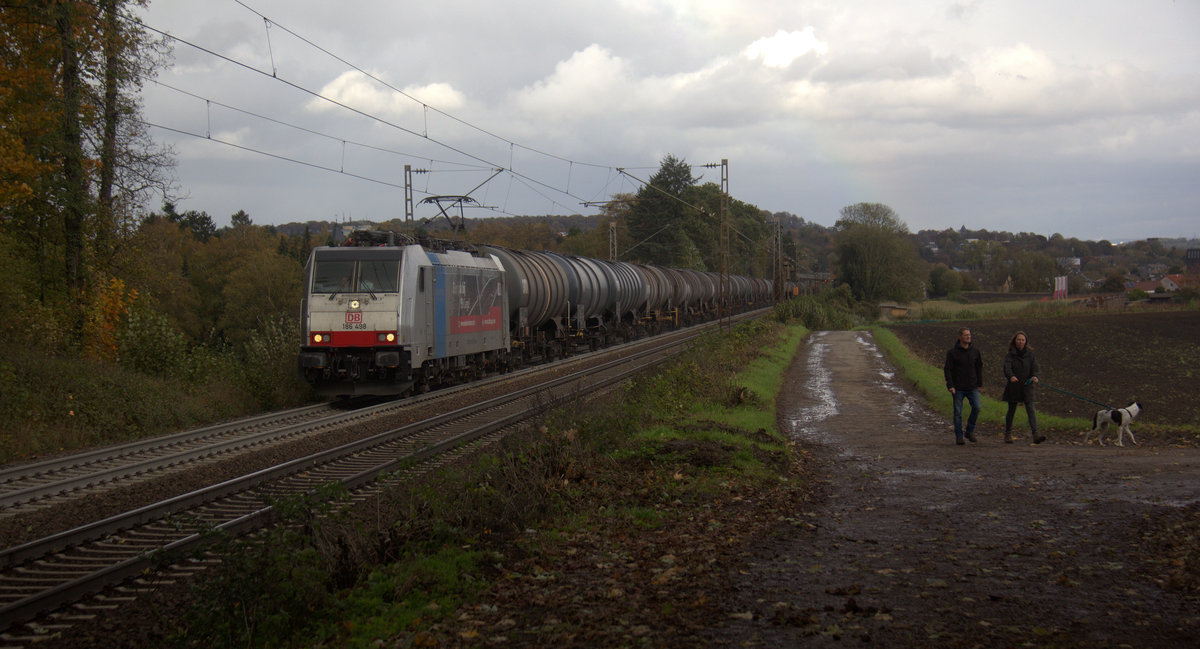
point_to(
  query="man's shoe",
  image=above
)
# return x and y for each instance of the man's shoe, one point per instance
(959, 440)
(1038, 439)
(971, 436)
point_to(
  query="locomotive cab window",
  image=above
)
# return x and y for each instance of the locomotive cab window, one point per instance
(334, 276)
(379, 276)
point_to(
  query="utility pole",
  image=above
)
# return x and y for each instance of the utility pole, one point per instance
(612, 240)
(778, 278)
(408, 196)
(408, 199)
(724, 307)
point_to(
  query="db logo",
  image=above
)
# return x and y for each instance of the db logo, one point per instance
(353, 317)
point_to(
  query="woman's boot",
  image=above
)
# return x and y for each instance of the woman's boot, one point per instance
(1008, 436)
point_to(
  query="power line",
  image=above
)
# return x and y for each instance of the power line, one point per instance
(526, 179)
(272, 155)
(443, 113)
(305, 129)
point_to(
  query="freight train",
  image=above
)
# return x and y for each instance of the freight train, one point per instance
(390, 314)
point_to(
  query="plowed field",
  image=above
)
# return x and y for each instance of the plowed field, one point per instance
(1153, 358)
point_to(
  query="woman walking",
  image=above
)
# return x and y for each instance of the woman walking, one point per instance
(1020, 370)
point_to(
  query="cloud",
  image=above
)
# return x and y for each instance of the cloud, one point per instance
(780, 50)
(592, 82)
(940, 108)
(361, 92)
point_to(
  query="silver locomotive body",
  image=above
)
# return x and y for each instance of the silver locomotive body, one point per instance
(382, 320)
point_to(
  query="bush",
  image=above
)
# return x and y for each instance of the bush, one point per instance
(149, 343)
(1186, 295)
(268, 364)
(62, 403)
(831, 309)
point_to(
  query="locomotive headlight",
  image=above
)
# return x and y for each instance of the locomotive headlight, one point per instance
(318, 338)
(354, 304)
(391, 337)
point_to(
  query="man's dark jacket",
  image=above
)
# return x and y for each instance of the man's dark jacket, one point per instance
(964, 368)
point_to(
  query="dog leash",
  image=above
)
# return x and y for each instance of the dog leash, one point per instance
(1069, 394)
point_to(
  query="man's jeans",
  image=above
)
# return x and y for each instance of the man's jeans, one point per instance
(973, 397)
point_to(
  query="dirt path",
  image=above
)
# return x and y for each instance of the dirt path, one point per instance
(918, 542)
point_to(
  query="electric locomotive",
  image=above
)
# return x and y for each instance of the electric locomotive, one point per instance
(380, 318)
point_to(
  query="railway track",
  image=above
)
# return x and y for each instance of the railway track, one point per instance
(40, 578)
(29, 487)
(35, 486)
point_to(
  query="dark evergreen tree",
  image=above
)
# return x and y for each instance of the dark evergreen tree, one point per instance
(658, 218)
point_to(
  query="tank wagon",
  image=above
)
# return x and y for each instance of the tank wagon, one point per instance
(388, 314)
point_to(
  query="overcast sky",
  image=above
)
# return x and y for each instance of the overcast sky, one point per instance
(1048, 116)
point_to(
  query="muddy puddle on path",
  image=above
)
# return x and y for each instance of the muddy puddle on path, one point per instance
(916, 542)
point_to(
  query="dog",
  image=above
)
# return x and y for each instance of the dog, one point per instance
(1121, 417)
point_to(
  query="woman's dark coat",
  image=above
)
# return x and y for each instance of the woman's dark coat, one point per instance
(1023, 365)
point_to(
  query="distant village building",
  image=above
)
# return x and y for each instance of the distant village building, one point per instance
(1070, 264)
(892, 310)
(1152, 271)
(1148, 286)
(1172, 283)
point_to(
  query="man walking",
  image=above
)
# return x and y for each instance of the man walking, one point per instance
(964, 377)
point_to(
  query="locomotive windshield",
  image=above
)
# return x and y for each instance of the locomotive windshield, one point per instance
(378, 276)
(362, 273)
(333, 277)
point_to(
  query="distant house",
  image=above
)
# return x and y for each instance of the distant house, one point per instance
(1151, 271)
(1148, 286)
(1069, 263)
(892, 310)
(1172, 283)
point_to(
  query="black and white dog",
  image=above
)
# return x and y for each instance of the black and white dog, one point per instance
(1121, 417)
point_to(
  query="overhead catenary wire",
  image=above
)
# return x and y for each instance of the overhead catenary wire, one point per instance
(274, 75)
(272, 155)
(515, 176)
(305, 129)
(296, 86)
(401, 92)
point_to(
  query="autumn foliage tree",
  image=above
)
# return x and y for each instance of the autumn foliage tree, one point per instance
(73, 160)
